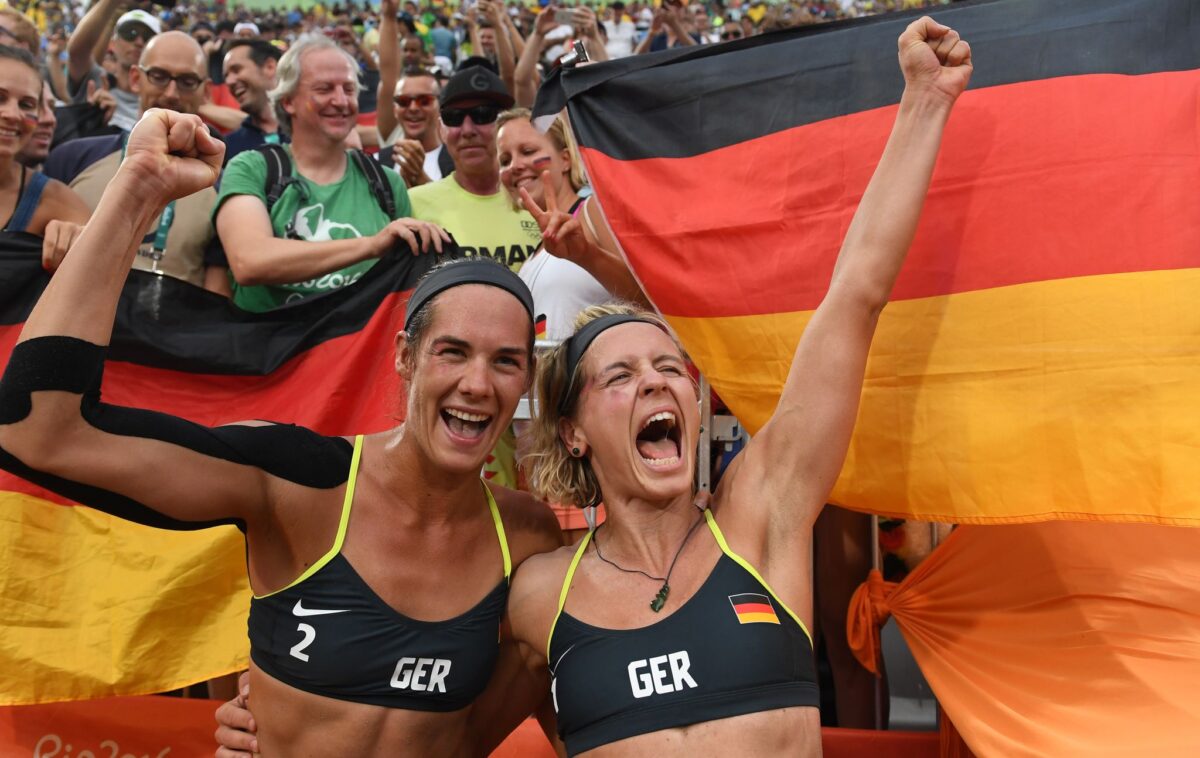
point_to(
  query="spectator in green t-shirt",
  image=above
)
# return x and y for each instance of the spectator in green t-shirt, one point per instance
(328, 227)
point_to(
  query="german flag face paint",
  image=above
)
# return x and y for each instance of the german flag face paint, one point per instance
(753, 608)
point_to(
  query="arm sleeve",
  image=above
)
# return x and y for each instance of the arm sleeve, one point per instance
(66, 364)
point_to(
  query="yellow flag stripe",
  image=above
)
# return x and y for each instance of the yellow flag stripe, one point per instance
(758, 618)
(1074, 398)
(92, 606)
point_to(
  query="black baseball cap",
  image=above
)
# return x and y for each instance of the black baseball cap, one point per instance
(476, 83)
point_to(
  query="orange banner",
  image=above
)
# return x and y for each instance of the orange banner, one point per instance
(170, 727)
(1057, 639)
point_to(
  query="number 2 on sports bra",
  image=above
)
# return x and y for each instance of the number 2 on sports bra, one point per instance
(310, 634)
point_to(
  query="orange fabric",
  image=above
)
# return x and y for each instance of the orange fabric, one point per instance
(570, 517)
(1062, 638)
(868, 613)
(950, 742)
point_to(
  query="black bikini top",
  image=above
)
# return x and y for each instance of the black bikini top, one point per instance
(733, 648)
(330, 634)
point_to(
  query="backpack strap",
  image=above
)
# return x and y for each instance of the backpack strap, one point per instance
(378, 181)
(279, 172)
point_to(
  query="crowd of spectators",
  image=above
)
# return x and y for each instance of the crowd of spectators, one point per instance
(103, 63)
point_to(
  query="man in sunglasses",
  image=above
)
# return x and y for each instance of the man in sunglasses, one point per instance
(470, 203)
(250, 67)
(129, 39)
(172, 74)
(414, 146)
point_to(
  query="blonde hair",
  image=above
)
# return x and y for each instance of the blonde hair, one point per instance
(26, 32)
(554, 474)
(559, 135)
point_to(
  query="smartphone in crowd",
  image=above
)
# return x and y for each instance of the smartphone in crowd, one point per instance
(564, 16)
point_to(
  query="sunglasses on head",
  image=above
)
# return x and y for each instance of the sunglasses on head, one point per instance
(162, 79)
(480, 115)
(130, 32)
(422, 101)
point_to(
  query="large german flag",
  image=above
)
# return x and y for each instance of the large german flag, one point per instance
(93, 606)
(1040, 357)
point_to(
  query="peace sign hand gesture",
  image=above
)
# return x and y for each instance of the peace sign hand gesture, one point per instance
(562, 234)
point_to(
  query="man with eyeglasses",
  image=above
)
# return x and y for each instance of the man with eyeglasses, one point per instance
(172, 74)
(331, 222)
(132, 33)
(470, 203)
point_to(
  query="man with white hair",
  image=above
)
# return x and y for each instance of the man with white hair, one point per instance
(310, 217)
(132, 32)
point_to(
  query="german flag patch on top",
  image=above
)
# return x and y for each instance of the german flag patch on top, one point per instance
(753, 608)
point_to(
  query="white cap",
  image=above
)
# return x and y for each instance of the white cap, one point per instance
(140, 17)
(246, 25)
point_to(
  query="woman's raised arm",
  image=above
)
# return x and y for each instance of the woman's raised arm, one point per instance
(797, 456)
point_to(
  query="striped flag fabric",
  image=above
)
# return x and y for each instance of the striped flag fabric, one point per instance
(92, 606)
(1040, 357)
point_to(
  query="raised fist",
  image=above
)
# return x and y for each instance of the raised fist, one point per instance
(172, 155)
(935, 57)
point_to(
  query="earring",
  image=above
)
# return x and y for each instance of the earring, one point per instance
(575, 452)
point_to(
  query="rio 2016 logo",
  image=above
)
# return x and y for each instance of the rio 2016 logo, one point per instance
(51, 746)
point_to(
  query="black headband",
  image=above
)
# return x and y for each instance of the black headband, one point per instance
(469, 271)
(579, 342)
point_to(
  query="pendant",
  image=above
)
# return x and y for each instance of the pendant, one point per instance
(660, 599)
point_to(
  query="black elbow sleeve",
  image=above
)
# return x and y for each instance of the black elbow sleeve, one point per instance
(42, 364)
(72, 365)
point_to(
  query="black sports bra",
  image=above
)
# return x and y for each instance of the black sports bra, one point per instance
(733, 648)
(330, 634)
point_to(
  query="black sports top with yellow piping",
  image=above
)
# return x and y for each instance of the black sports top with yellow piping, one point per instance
(330, 634)
(733, 648)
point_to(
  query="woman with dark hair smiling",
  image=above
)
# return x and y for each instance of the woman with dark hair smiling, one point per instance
(29, 200)
(380, 563)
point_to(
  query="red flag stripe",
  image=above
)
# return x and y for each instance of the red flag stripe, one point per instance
(1086, 164)
(753, 608)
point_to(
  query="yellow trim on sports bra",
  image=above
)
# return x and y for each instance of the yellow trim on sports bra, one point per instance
(345, 520)
(562, 596)
(739, 560)
(500, 533)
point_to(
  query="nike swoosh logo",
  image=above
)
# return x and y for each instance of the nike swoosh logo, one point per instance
(300, 610)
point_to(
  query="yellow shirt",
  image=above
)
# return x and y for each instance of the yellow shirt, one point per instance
(480, 224)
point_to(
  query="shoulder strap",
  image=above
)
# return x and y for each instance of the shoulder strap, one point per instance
(500, 534)
(378, 181)
(739, 560)
(279, 172)
(340, 538)
(562, 595)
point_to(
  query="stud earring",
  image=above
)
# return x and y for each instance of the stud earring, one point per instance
(575, 452)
